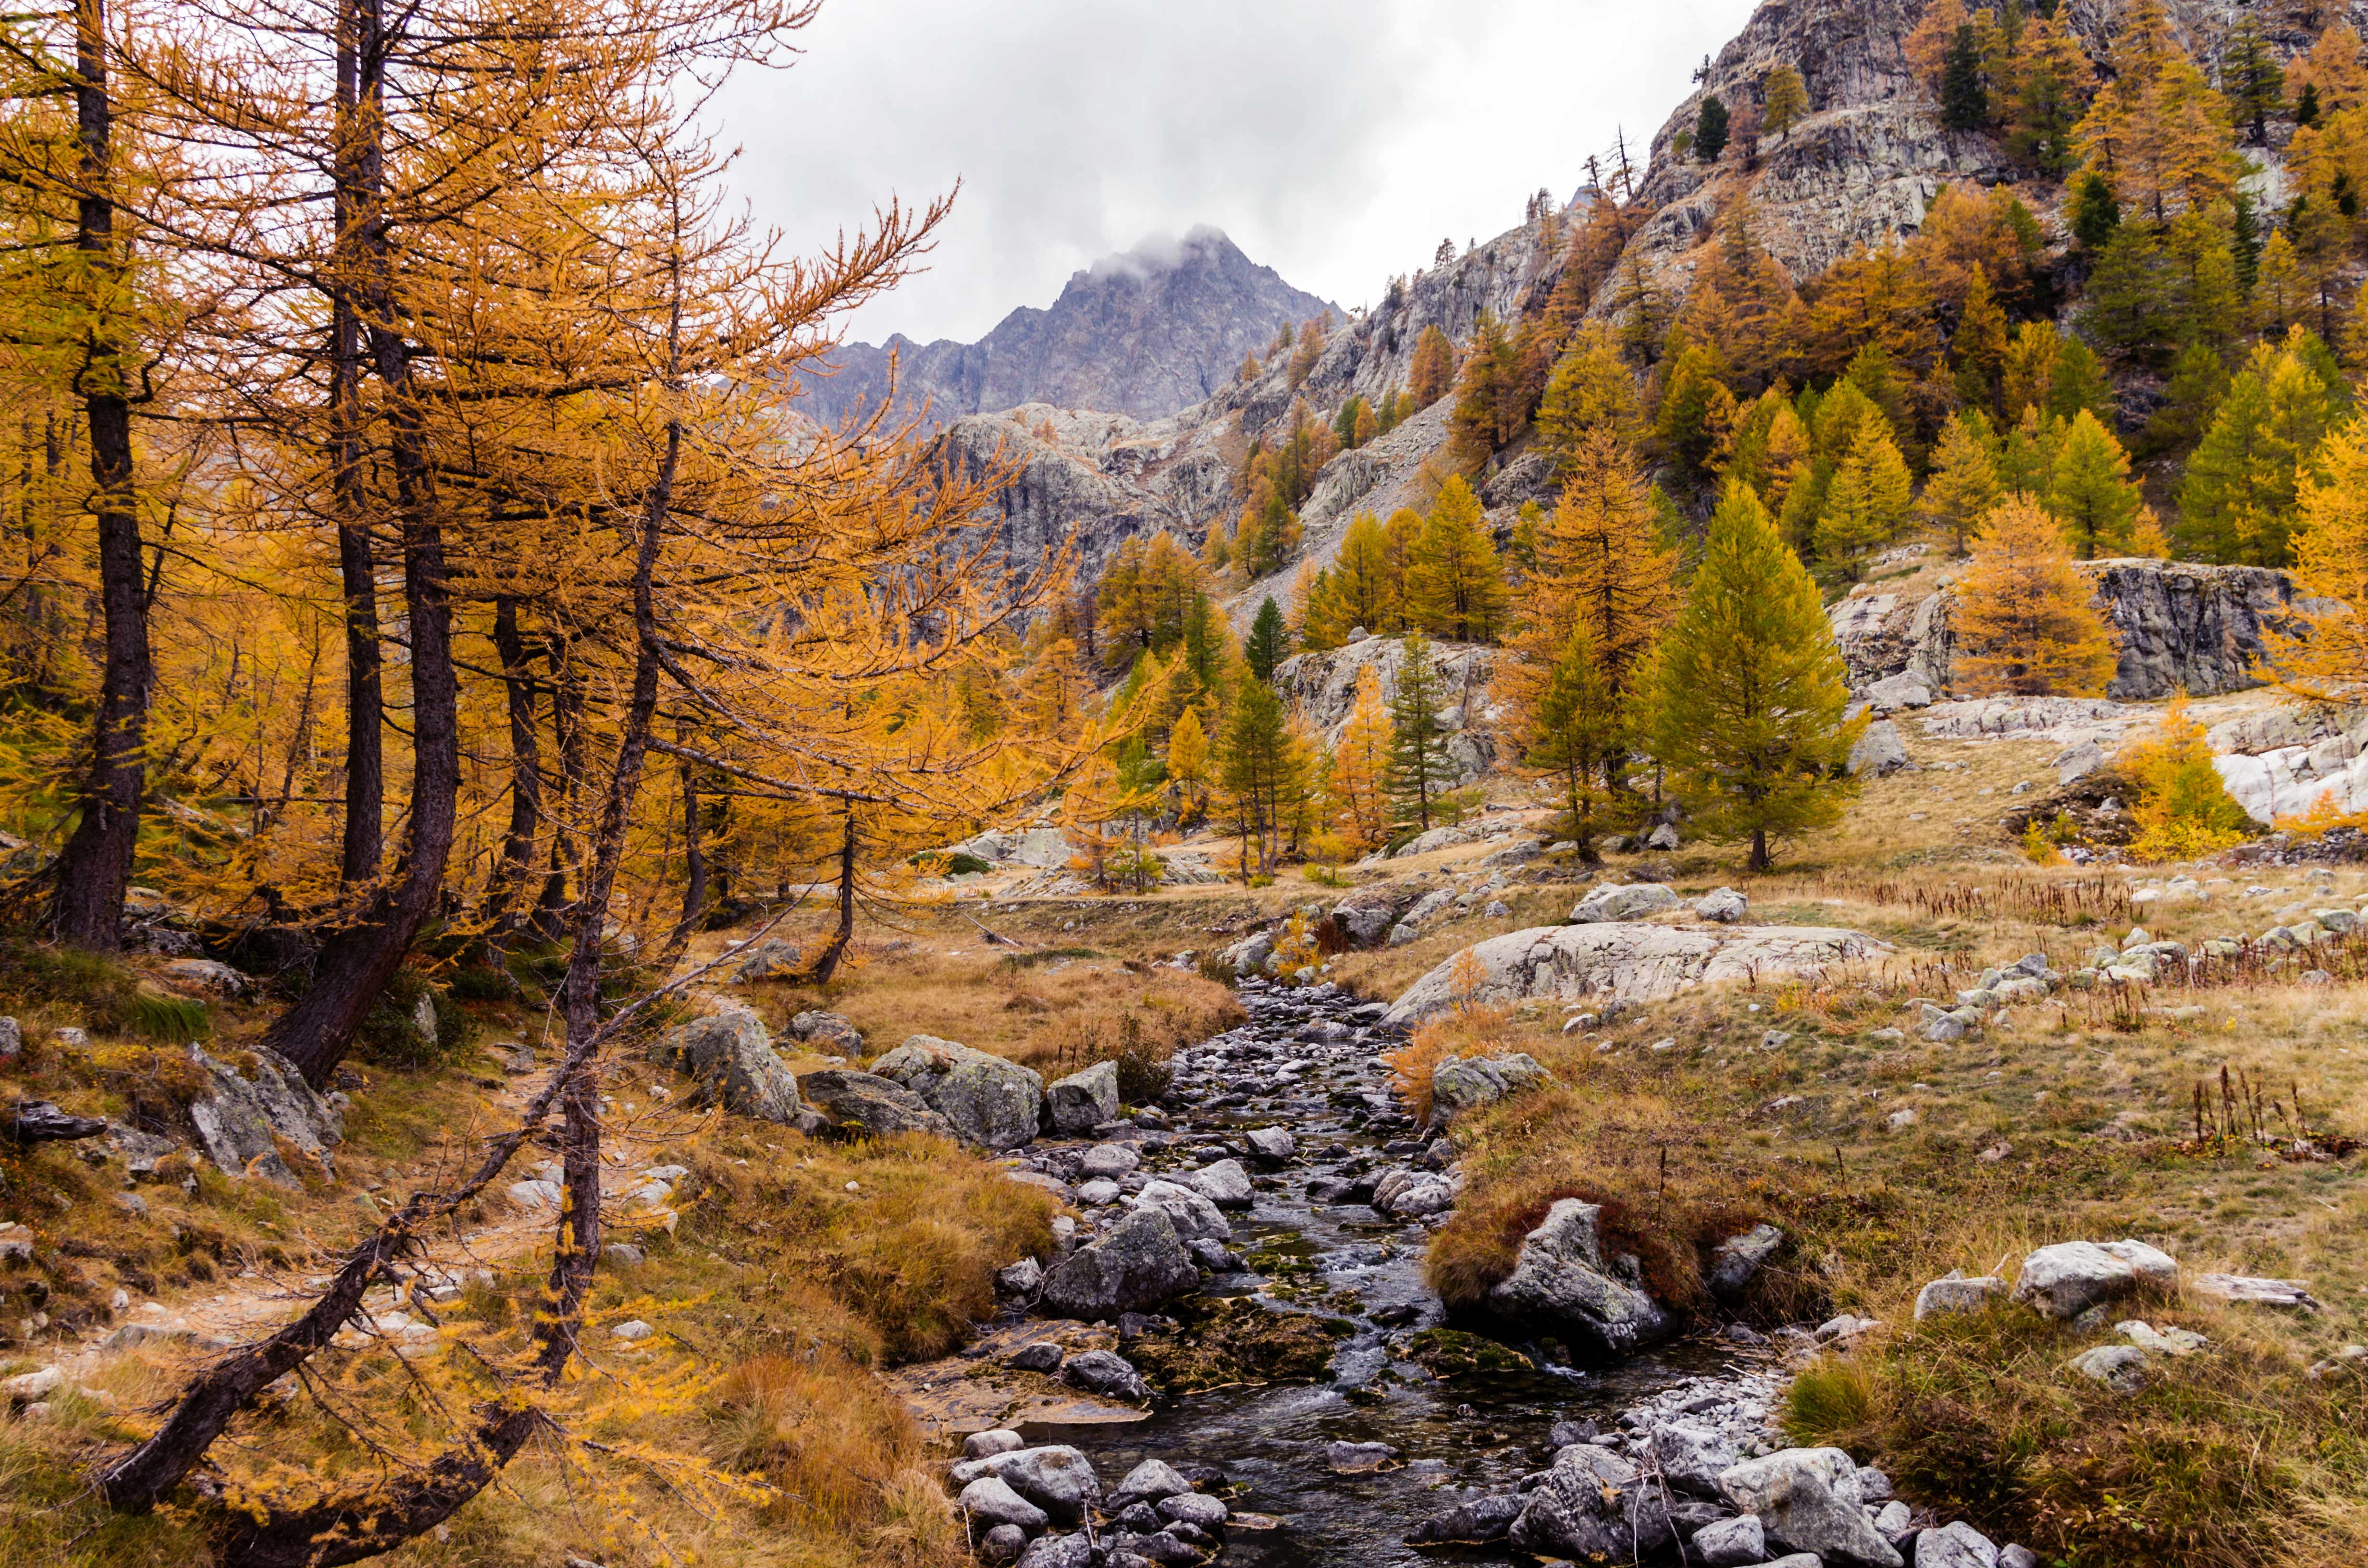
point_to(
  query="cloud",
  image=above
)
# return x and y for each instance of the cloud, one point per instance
(1336, 140)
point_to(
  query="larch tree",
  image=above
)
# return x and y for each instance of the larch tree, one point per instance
(1432, 371)
(1964, 484)
(1455, 585)
(1419, 769)
(1591, 388)
(1748, 710)
(1601, 563)
(1360, 765)
(2090, 493)
(1868, 502)
(1785, 100)
(1574, 733)
(2240, 496)
(2327, 659)
(1254, 764)
(2025, 621)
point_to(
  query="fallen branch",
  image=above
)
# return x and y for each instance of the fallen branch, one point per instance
(39, 1122)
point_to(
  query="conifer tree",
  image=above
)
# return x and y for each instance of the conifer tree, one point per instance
(2024, 618)
(2093, 213)
(1786, 100)
(2199, 380)
(1964, 485)
(1867, 503)
(1254, 764)
(2052, 83)
(1420, 769)
(1697, 412)
(1268, 642)
(1601, 563)
(1591, 387)
(1344, 423)
(1432, 372)
(1978, 346)
(2239, 500)
(1360, 765)
(1575, 733)
(2090, 493)
(1751, 690)
(1455, 585)
(1964, 98)
(2251, 77)
(1188, 762)
(1710, 129)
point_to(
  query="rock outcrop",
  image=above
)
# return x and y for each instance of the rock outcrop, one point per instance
(1632, 961)
(868, 1104)
(1561, 1277)
(731, 1055)
(991, 1102)
(1136, 1265)
(238, 1121)
(2285, 761)
(1323, 688)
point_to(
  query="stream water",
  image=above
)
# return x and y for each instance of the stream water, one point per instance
(1310, 1061)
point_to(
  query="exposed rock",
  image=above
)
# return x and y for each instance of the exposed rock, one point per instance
(1798, 1494)
(1222, 1183)
(1560, 1275)
(1022, 1278)
(1357, 1459)
(1955, 1294)
(1274, 1144)
(205, 974)
(1059, 1551)
(1724, 905)
(1108, 1160)
(870, 1105)
(12, 1040)
(1628, 901)
(1692, 1455)
(1731, 1543)
(1475, 1523)
(2247, 1290)
(1878, 750)
(1410, 1194)
(1593, 1506)
(771, 959)
(1459, 1084)
(1149, 1482)
(1136, 1264)
(827, 1032)
(996, 1440)
(1324, 687)
(1902, 690)
(1187, 1210)
(1054, 1477)
(1083, 1100)
(2076, 762)
(1955, 1545)
(2067, 1279)
(1631, 962)
(1736, 1261)
(734, 1060)
(1105, 1373)
(2121, 1367)
(992, 1102)
(237, 1122)
(993, 1502)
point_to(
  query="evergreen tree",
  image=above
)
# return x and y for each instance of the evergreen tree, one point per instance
(1419, 769)
(1977, 348)
(2052, 83)
(2025, 620)
(1964, 98)
(2090, 490)
(1867, 503)
(1786, 100)
(1575, 733)
(1697, 412)
(1964, 485)
(1710, 131)
(2306, 110)
(1254, 761)
(1268, 642)
(1433, 369)
(1344, 423)
(2093, 213)
(1751, 690)
(2250, 76)
(1363, 586)
(2240, 499)
(2199, 380)
(2078, 384)
(2123, 309)
(1455, 585)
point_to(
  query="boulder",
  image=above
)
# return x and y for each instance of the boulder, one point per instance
(989, 1502)
(1735, 1260)
(771, 959)
(870, 1105)
(1110, 1161)
(1806, 1502)
(1054, 1477)
(205, 974)
(2121, 1367)
(1894, 692)
(1560, 1277)
(1083, 1100)
(1106, 1373)
(1272, 1144)
(1410, 1194)
(993, 1103)
(238, 1120)
(1475, 1523)
(1630, 962)
(1952, 1293)
(1955, 1545)
(1626, 900)
(2075, 763)
(735, 1063)
(1148, 1482)
(2248, 1291)
(1459, 1084)
(1692, 1455)
(1224, 1184)
(1188, 1211)
(1724, 905)
(1878, 750)
(1730, 1543)
(1059, 1551)
(827, 1033)
(1136, 1265)
(2067, 1279)
(1594, 1506)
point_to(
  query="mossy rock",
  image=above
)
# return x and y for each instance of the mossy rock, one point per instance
(1234, 1340)
(1451, 1353)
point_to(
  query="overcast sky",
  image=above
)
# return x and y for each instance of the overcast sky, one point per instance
(1337, 141)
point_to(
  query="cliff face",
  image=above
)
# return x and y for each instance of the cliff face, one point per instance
(1145, 333)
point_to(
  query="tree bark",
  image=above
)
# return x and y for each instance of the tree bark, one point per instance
(826, 962)
(526, 765)
(694, 856)
(95, 867)
(358, 177)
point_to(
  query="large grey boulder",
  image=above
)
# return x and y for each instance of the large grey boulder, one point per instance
(1083, 1100)
(237, 1120)
(869, 1104)
(1459, 1084)
(1593, 1506)
(734, 1060)
(1952, 1293)
(1724, 905)
(1054, 1476)
(771, 959)
(989, 1501)
(1807, 1503)
(1735, 1261)
(1730, 1543)
(1878, 750)
(993, 1103)
(1630, 961)
(2067, 1279)
(1692, 1455)
(1560, 1275)
(827, 1032)
(1136, 1265)
(1149, 1483)
(1624, 901)
(1189, 1212)
(1955, 1545)
(1222, 1183)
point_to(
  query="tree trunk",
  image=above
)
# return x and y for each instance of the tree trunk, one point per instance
(827, 962)
(694, 856)
(95, 867)
(1760, 860)
(567, 730)
(356, 177)
(526, 765)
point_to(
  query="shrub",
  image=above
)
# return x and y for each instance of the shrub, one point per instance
(2183, 810)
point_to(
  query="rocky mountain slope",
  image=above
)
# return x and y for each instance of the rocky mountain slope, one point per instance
(1143, 334)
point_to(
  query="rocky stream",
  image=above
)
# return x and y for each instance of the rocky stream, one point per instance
(1316, 1405)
